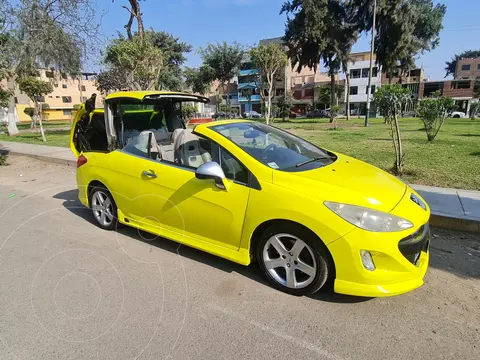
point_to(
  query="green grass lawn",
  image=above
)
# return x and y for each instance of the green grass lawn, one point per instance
(452, 160)
(54, 131)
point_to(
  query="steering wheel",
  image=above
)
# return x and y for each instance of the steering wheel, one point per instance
(268, 148)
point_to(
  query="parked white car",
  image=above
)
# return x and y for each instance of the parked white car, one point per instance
(458, 114)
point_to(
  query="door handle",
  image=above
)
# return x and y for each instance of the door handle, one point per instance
(149, 174)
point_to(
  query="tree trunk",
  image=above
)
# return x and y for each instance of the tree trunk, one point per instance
(33, 125)
(347, 75)
(399, 162)
(12, 119)
(332, 95)
(269, 100)
(37, 115)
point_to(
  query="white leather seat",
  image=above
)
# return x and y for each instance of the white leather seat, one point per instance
(188, 150)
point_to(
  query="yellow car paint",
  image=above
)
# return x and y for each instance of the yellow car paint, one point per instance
(193, 212)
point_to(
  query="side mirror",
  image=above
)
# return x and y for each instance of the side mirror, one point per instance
(211, 170)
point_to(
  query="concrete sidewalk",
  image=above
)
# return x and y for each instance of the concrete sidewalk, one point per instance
(451, 208)
(59, 155)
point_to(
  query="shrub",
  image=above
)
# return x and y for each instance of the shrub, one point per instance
(30, 111)
(188, 111)
(433, 111)
(3, 160)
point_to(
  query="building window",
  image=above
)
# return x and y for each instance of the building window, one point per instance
(372, 91)
(353, 90)
(466, 67)
(64, 86)
(57, 97)
(16, 100)
(365, 73)
(82, 87)
(50, 96)
(49, 74)
(375, 72)
(478, 67)
(355, 73)
(460, 85)
(66, 99)
(279, 92)
(67, 112)
(56, 85)
(297, 94)
(309, 92)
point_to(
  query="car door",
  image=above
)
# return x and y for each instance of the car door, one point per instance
(173, 199)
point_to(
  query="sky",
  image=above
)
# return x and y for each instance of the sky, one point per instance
(199, 22)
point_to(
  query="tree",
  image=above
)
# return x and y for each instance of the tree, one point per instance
(29, 111)
(223, 60)
(199, 80)
(324, 94)
(451, 66)
(173, 56)
(35, 88)
(474, 109)
(404, 28)
(270, 59)
(319, 31)
(48, 33)
(135, 13)
(188, 111)
(285, 103)
(433, 111)
(390, 100)
(133, 64)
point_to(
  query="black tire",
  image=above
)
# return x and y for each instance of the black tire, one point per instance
(456, 116)
(324, 268)
(92, 200)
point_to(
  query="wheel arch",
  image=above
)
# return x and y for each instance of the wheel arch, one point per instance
(257, 233)
(93, 184)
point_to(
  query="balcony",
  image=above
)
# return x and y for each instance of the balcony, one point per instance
(254, 98)
(247, 85)
(249, 72)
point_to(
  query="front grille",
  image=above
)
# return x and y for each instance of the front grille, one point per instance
(414, 244)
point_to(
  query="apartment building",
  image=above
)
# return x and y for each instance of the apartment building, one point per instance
(468, 69)
(68, 91)
(248, 87)
(359, 69)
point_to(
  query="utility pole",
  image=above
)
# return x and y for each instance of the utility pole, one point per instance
(369, 88)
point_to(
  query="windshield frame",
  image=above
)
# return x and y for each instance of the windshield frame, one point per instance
(290, 169)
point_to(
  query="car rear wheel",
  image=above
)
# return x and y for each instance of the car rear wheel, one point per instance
(293, 260)
(103, 207)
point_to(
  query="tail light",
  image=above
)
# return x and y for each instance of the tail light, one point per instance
(81, 161)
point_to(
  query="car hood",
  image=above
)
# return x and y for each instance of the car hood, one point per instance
(347, 181)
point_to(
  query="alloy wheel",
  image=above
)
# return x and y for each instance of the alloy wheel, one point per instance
(102, 208)
(289, 261)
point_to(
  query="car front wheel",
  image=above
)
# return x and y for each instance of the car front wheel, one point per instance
(103, 208)
(293, 260)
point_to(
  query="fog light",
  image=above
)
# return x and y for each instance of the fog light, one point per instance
(367, 260)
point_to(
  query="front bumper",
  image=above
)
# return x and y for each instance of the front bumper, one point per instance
(401, 261)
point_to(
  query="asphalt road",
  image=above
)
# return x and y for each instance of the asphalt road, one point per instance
(69, 290)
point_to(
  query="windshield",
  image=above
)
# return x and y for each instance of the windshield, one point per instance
(275, 148)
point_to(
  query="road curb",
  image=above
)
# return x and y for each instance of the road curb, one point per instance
(452, 223)
(45, 158)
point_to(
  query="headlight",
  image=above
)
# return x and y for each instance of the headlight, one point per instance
(368, 219)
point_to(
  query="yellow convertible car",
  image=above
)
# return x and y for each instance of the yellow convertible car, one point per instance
(246, 191)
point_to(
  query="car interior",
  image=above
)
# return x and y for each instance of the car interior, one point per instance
(158, 132)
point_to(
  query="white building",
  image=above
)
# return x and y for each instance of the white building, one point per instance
(359, 69)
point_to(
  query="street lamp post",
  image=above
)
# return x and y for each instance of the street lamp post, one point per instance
(369, 88)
